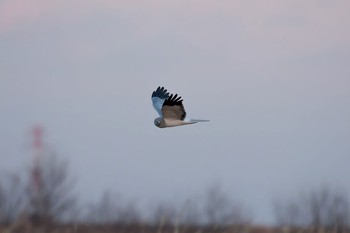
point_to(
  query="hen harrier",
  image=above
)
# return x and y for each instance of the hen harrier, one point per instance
(170, 109)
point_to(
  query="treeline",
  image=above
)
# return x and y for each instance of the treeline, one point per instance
(44, 195)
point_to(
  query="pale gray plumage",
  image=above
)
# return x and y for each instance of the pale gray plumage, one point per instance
(170, 109)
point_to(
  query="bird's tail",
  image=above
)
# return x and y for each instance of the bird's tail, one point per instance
(197, 120)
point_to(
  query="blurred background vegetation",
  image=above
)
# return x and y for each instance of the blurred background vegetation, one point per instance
(42, 198)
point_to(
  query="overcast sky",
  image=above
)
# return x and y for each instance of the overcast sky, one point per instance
(272, 76)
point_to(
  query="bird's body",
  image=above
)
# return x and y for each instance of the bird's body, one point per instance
(170, 122)
(170, 109)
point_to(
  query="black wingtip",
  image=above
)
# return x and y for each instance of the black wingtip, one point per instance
(161, 92)
(173, 100)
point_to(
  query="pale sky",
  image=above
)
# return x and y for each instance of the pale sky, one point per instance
(272, 76)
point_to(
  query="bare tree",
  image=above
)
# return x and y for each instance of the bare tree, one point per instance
(111, 209)
(222, 211)
(164, 214)
(12, 197)
(128, 213)
(53, 199)
(339, 212)
(322, 208)
(327, 208)
(189, 213)
(104, 211)
(289, 214)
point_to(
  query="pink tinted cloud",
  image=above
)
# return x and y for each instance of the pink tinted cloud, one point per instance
(16, 12)
(291, 23)
(296, 24)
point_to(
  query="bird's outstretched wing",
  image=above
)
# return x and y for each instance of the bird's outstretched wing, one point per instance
(173, 108)
(158, 98)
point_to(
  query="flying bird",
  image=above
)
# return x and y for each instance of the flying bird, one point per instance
(170, 109)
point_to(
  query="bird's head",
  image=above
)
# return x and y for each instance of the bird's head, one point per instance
(158, 122)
